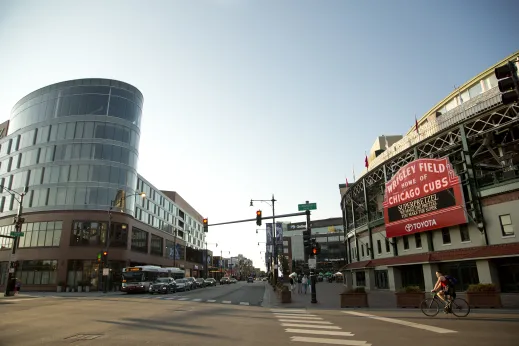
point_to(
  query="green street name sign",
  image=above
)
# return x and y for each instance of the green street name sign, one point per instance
(16, 234)
(307, 206)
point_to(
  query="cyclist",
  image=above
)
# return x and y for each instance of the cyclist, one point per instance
(444, 288)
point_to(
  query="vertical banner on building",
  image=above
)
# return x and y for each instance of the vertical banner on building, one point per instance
(268, 243)
(423, 195)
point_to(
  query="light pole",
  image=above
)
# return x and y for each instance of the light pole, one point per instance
(18, 221)
(221, 262)
(206, 265)
(272, 203)
(109, 230)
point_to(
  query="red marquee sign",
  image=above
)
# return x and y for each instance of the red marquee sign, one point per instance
(423, 195)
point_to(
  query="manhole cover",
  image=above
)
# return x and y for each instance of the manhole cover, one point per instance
(83, 337)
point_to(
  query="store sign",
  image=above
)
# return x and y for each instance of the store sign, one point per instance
(423, 195)
(297, 226)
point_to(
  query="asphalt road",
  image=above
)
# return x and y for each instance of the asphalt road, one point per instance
(132, 320)
(240, 293)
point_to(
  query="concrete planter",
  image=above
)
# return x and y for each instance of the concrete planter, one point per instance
(87, 288)
(286, 297)
(354, 300)
(59, 289)
(409, 300)
(484, 300)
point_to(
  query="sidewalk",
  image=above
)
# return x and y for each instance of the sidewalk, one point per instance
(328, 297)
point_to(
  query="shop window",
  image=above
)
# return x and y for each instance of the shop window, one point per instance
(446, 236)
(465, 272)
(412, 275)
(464, 233)
(381, 279)
(418, 240)
(360, 278)
(508, 270)
(406, 242)
(38, 272)
(507, 228)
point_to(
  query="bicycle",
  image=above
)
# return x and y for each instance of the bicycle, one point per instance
(431, 306)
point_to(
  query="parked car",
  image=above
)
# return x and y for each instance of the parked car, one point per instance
(210, 282)
(183, 285)
(163, 285)
(200, 283)
(192, 283)
(225, 281)
(233, 281)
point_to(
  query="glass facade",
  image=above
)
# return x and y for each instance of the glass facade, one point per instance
(75, 145)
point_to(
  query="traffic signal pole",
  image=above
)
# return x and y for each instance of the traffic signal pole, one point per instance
(313, 278)
(18, 228)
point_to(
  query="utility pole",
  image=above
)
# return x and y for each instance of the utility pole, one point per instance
(18, 222)
(107, 245)
(313, 278)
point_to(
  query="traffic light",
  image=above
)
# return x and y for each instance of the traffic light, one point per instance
(205, 225)
(99, 259)
(508, 82)
(307, 243)
(105, 257)
(316, 248)
(258, 218)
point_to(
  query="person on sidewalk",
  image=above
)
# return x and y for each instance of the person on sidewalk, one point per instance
(299, 283)
(17, 286)
(292, 284)
(304, 281)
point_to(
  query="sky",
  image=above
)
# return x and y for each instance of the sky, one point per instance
(246, 99)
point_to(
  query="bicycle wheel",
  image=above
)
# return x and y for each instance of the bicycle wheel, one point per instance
(460, 307)
(430, 307)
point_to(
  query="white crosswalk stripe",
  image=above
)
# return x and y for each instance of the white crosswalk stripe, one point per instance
(299, 321)
(197, 300)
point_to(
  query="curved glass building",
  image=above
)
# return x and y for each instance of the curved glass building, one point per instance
(74, 146)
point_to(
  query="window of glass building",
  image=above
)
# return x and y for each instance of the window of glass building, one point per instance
(156, 245)
(39, 272)
(88, 233)
(139, 240)
(41, 234)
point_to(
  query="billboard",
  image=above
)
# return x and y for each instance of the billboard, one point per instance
(423, 195)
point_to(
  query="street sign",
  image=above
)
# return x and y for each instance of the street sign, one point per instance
(106, 271)
(312, 263)
(307, 206)
(16, 234)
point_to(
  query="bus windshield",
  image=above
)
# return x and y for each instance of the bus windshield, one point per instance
(133, 276)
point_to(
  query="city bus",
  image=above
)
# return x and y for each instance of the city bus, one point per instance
(139, 278)
(176, 273)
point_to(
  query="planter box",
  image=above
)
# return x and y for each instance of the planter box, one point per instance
(354, 300)
(409, 300)
(59, 289)
(286, 297)
(484, 299)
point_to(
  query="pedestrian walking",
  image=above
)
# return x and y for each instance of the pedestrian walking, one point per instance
(299, 284)
(304, 282)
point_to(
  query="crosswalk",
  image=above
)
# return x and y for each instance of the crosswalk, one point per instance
(199, 300)
(310, 328)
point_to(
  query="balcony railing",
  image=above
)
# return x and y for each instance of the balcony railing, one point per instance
(468, 109)
(497, 177)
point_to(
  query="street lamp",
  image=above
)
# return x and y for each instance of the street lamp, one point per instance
(18, 221)
(271, 202)
(206, 265)
(122, 199)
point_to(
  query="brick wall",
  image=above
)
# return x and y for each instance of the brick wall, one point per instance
(502, 198)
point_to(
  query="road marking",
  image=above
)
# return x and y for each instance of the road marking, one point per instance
(211, 301)
(330, 341)
(197, 300)
(183, 298)
(226, 302)
(18, 299)
(318, 332)
(296, 316)
(308, 326)
(244, 303)
(295, 311)
(298, 321)
(404, 323)
(170, 298)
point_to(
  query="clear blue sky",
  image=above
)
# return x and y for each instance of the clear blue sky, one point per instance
(243, 99)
